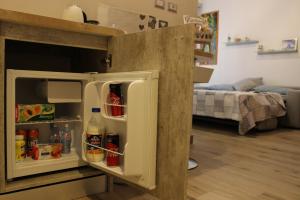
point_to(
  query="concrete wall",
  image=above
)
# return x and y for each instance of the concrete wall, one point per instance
(54, 8)
(269, 21)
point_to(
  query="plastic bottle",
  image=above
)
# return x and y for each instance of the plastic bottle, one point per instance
(55, 135)
(67, 139)
(20, 148)
(94, 136)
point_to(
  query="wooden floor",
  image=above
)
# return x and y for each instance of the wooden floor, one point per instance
(260, 166)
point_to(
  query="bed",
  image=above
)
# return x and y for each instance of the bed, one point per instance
(247, 108)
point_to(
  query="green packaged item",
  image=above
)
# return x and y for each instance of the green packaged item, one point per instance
(34, 112)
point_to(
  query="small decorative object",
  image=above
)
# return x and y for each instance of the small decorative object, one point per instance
(160, 4)
(228, 39)
(142, 23)
(162, 24)
(260, 47)
(201, 21)
(247, 39)
(237, 39)
(290, 44)
(172, 7)
(88, 21)
(206, 48)
(142, 17)
(73, 13)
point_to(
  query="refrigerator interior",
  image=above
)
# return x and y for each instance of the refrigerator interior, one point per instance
(26, 90)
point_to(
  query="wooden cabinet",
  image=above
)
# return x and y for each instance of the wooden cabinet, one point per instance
(31, 42)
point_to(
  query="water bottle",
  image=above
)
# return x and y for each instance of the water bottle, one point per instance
(67, 139)
(55, 135)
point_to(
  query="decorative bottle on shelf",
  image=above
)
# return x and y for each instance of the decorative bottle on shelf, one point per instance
(94, 137)
(67, 139)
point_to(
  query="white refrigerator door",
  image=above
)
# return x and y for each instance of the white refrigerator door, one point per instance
(137, 128)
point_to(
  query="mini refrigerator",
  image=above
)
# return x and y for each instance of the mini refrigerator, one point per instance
(73, 95)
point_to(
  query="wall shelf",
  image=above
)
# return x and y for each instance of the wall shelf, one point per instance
(281, 51)
(201, 41)
(243, 42)
(199, 52)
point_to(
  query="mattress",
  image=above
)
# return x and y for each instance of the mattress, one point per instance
(248, 108)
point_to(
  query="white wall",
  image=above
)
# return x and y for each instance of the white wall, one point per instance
(269, 21)
(54, 8)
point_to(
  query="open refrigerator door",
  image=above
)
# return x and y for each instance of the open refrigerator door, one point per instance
(128, 104)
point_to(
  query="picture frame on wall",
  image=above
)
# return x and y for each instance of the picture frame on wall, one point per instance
(162, 24)
(290, 44)
(213, 36)
(160, 4)
(172, 7)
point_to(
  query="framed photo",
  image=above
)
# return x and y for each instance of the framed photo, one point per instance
(211, 33)
(172, 7)
(162, 24)
(160, 4)
(290, 44)
(152, 22)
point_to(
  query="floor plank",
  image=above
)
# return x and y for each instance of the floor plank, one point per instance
(261, 165)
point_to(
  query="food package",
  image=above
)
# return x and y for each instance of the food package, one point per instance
(34, 112)
(45, 151)
(49, 151)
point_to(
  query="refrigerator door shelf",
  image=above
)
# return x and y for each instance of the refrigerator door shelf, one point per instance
(137, 128)
(115, 170)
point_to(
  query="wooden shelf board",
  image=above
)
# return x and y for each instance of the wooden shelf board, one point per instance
(202, 74)
(204, 54)
(57, 24)
(266, 52)
(200, 41)
(241, 43)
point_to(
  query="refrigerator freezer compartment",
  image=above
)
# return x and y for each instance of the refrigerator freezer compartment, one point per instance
(64, 91)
